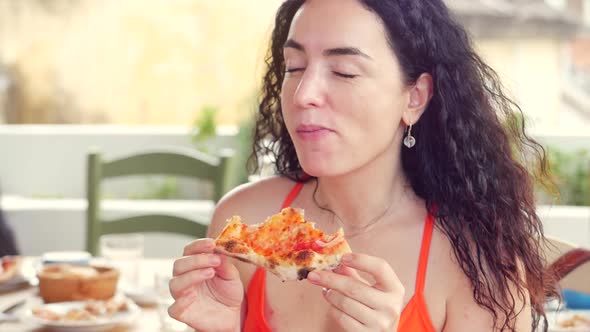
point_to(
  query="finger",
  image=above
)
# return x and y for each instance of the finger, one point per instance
(226, 269)
(179, 284)
(350, 307)
(346, 322)
(385, 279)
(177, 309)
(348, 286)
(347, 271)
(194, 262)
(199, 246)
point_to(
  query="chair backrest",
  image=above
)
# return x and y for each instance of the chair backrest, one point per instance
(170, 162)
(569, 263)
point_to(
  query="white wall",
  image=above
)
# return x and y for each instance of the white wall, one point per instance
(568, 223)
(50, 161)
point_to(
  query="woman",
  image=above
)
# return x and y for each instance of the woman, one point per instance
(383, 121)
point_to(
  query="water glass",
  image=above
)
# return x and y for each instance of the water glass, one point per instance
(123, 251)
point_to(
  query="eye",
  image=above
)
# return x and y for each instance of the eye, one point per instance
(293, 70)
(343, 75)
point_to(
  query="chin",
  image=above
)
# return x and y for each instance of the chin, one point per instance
(322, 168)
(322, 162)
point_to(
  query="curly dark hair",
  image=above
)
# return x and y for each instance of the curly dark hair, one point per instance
(473, 159)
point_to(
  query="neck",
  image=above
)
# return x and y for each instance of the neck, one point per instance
(366, 195)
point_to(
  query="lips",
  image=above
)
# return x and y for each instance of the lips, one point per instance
(310, 128)
(312, 131)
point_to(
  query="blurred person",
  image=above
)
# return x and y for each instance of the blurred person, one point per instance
(8, 245)
(382, 120)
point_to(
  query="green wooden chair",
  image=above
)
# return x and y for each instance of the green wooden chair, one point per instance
(185, 163)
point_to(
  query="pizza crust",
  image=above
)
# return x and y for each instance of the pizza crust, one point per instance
(291, 264)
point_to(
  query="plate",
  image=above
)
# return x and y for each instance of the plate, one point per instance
(102, 323)
(555, 318)
(17, 282)
(143, 296)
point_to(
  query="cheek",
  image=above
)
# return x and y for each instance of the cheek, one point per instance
(287, 106)
(373, 132)
(288, 88)
(375, 116)
(373, 127)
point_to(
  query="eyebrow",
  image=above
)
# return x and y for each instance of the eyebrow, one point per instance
(290, 43)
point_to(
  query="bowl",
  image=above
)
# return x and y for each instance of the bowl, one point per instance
(70, 282)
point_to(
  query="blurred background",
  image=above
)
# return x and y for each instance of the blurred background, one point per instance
(124, 76)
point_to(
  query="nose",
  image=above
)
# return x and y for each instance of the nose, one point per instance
(311, 90)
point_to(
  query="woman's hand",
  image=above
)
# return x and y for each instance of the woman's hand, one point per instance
(356, 304)
(207, 289)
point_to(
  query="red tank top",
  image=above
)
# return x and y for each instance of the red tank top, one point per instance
(414, 318)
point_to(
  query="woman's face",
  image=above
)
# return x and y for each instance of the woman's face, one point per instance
(342, 96)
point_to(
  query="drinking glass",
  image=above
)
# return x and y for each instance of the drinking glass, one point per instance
(123, 251)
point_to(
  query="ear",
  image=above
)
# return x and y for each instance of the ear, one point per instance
(419, 96)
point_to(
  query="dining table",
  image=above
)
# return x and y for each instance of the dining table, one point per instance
(147, 318)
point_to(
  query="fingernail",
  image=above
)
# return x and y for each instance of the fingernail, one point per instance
(347, 258)
(313, 276)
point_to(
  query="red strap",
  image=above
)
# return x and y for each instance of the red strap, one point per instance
(255, 319)
(424, 251)
(292, 194)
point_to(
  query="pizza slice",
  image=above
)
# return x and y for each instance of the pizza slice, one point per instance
(285, 244)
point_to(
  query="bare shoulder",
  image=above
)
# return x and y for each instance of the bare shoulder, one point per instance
(461, 310)
(253, 202)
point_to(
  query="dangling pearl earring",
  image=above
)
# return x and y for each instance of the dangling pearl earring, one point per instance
(409, 140)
